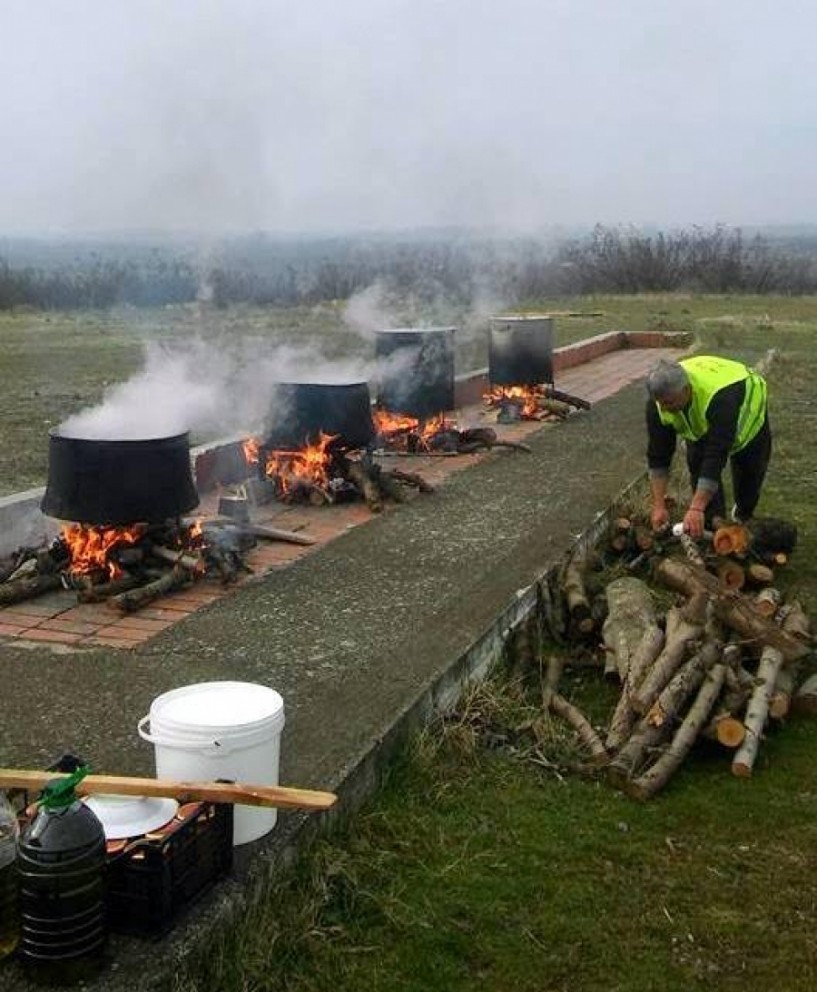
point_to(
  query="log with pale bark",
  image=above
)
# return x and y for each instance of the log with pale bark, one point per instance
(660, 772)
(757, 711)
(653, 728)
(584, 729)
(684, 628)
(624, 715)
(630, 613)
(734, 609)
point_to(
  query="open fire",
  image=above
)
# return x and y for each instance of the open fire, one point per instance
(536, 402)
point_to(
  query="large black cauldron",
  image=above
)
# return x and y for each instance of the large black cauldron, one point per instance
(416, 370)
(301, 411)
(118, 483)
(520, 351)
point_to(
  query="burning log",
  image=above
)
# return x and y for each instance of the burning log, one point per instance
(135, 599)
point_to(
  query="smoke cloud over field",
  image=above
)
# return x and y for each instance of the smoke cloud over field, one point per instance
(206, 390)
(204, 115)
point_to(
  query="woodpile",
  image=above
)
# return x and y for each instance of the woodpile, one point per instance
(721, 661)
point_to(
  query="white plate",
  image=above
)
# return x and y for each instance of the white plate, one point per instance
(131, 816)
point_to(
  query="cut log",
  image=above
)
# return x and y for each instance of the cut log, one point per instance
(630, 612)
(805, 699)
(758, 574)
(624, 716)
(177, 556)
(363, 478)
(733, 609)
(730, 539)
(654, 727)
(725, 728)
(412, 479)
(684, 628)
(730, 574)
(757, 711)
(27, 587)
(135, 599)
(587, 735)
(578, 605)
(104, 590)
(273, 534)
(657, 776)
(767, 601)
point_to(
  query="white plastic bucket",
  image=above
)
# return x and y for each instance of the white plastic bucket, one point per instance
(213, 730)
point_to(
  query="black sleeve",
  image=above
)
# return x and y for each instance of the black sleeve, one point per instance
(661, 440)
(722, 416)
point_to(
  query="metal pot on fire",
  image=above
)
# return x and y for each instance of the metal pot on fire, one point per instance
(302, 411)
(415, 370)
(118, 482)
(520, 350)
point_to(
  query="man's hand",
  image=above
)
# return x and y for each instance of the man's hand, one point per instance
(694, 522)
(659, 517)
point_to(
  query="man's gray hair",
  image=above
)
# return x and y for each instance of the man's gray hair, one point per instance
(666, 379)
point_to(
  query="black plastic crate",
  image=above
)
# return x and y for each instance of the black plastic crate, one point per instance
(155, 877)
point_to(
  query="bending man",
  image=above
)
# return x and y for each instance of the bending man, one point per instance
(718, 406)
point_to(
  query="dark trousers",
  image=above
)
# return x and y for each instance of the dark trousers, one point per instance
(748, 467)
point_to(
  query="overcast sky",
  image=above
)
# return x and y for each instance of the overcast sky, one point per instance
(330, 115)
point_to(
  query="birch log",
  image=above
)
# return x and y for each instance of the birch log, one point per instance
(630, 613)
(657, 776)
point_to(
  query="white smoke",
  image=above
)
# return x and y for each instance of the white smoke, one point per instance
(207, 390)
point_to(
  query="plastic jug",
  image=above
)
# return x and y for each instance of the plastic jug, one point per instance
(61, 861)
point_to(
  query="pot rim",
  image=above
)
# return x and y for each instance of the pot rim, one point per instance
(56, 435)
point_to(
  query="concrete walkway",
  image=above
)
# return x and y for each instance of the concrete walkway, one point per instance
(352, 635)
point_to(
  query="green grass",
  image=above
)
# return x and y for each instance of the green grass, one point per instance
(475, 867)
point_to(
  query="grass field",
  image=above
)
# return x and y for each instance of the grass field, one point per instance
(475, 868)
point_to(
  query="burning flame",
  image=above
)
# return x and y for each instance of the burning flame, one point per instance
(525, 397)
(395, 428)
(308, 464)
(91, 547)
(251, 447)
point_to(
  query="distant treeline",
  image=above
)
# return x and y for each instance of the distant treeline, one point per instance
(457, 269)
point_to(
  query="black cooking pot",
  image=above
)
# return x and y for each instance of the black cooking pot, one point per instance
(520, 351)
(416, 370)
(119, 482)
(301, 411)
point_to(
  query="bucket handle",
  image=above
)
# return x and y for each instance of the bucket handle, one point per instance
(215, 747)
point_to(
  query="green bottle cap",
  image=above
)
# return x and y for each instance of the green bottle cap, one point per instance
(59, 792)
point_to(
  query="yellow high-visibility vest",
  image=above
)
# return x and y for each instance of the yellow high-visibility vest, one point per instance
(707, 376)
